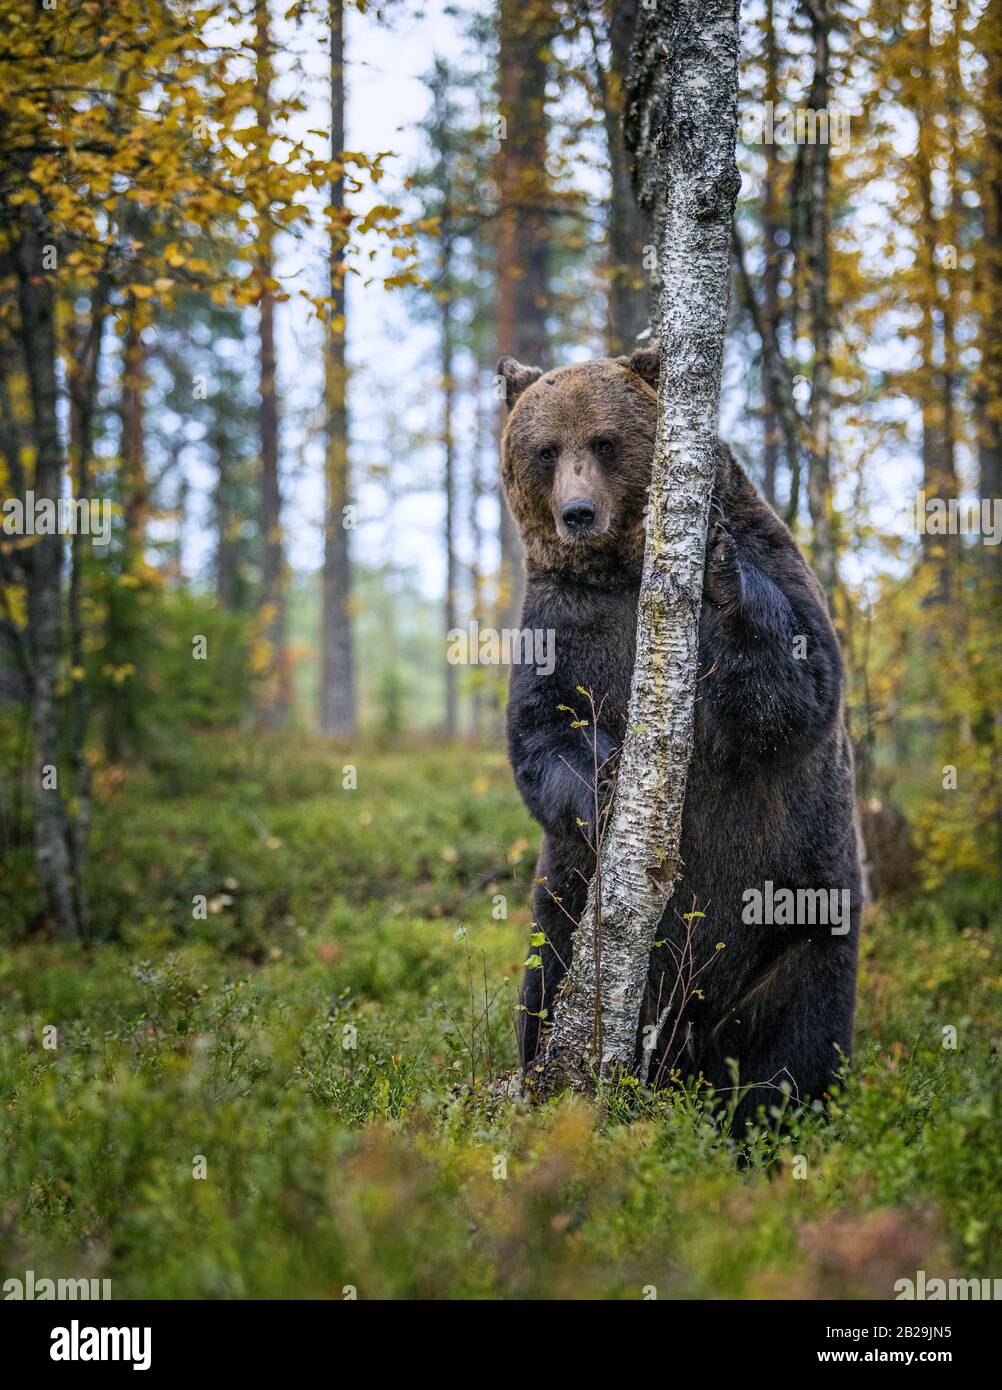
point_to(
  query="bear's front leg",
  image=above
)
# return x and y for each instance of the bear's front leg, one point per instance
(771, 675)
(554, 764)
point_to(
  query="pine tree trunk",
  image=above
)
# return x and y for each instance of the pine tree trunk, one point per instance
(819, 485)
(275, 703)
(337, 682)
(223, 512)
(120, 646)
(990, 287)
(629, 289)
(83, 381)
(938, 470)
(448, 449)
(771, 425)
(523, 235)
(481, 434)
(683, 116)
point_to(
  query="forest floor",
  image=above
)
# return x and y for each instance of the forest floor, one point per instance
(283, 1095)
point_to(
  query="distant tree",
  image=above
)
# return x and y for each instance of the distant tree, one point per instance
(337, 686)
(525, 30)
(276, 694)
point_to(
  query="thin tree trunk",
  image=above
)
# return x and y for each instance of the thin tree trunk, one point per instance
(38, 334)
(83, 384)
(989, 390)
(225, 564)
(337, 683)
(629, 292)
(990, 287)
(275, 704)
(481, 432)
(135, 491)
(771, 426)
(774, 366)
(523, 236)
(953, 87)
(819, 486)
(449, 462)
(120, 646)
(936, 475)
(15, 663)
(684, 105)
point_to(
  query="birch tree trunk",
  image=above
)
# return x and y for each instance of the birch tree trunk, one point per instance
(681, 129)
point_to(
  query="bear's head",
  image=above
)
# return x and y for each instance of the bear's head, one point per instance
(576, 460)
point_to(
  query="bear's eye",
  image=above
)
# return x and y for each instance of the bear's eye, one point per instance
(547, 454)
(604, 449)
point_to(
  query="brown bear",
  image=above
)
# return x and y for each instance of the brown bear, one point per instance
(769, 849)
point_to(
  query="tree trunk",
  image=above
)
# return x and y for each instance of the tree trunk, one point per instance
(135, 491)
(629, 289)
(337, 681)
(523, 235)
(120, 636)
(951, 236)
(449, 462)
(82, 374)
(819, 485)
(481, 434)
(683, 102)
(771, 425)
(990, 288)
(45, 625)
(225, 561)
(774, 370)
(275, 702)
(938, 474)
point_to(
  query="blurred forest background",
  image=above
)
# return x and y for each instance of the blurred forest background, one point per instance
(264, 876)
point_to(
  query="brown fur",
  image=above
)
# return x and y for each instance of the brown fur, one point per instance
(770, 786)
(579, 405)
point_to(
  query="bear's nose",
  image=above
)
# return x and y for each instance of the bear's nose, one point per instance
(578, 514)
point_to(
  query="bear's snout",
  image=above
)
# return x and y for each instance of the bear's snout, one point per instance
(580, 500)
(578, 515)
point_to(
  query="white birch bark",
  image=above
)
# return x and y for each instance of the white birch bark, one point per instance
(681, 126)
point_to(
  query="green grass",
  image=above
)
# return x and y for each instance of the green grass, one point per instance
(369, 916)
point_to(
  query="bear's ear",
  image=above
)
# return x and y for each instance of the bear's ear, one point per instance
(516, 378)
(646, 362)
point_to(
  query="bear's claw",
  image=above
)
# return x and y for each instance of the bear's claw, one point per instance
(722, 578)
